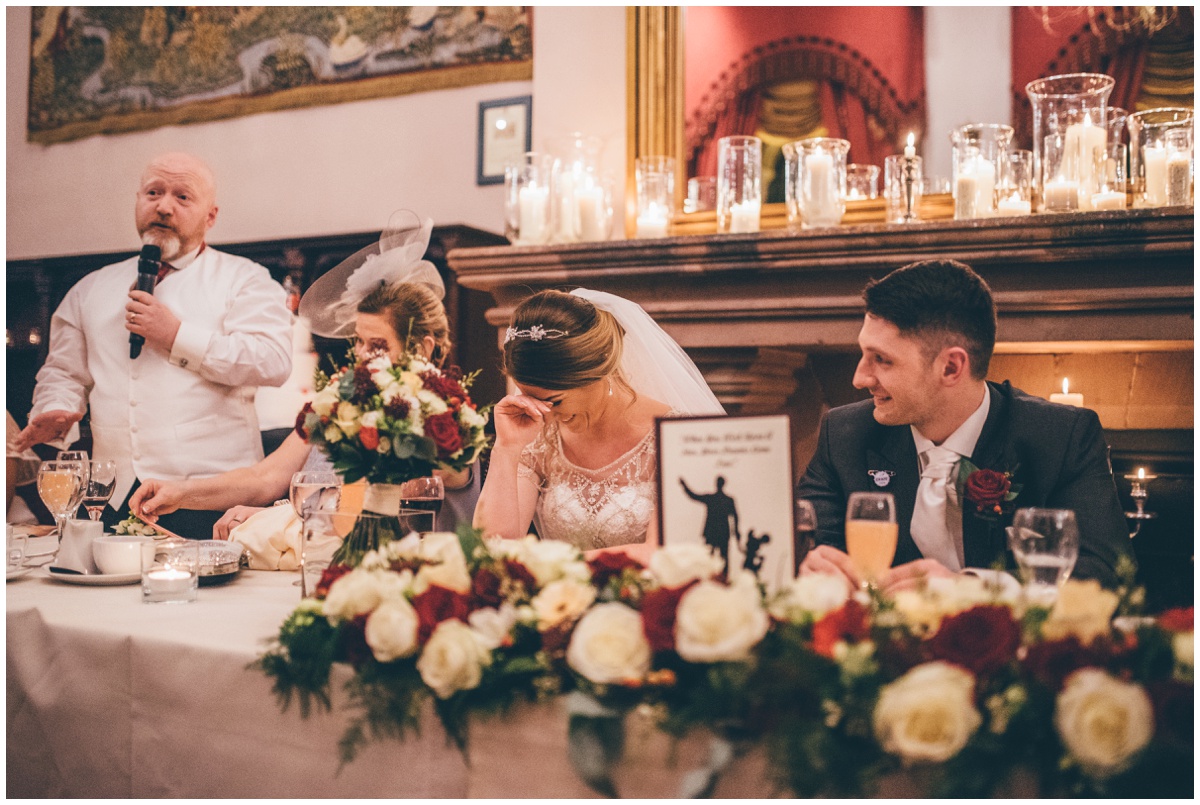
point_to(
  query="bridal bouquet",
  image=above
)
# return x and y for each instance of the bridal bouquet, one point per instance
(390, 423)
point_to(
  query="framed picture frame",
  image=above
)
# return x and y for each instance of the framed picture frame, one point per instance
(504, 136)
(727, 482)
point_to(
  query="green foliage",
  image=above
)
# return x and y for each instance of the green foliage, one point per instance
(300, 660)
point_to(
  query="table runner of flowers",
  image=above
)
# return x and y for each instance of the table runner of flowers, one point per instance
(957, 683)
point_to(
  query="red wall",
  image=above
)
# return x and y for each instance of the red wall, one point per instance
(1033, 48)
(891, 37)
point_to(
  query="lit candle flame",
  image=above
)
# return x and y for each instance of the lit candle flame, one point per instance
(1141, 473)
(912, 139)
(1064, 385)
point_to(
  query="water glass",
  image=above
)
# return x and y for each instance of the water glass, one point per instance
(171, 572)
(739, 184)
(655, 177)
(871, 532)
(18, 543)
(862, 181)
(313, 493)
(806, 533)
(1045, 543)
(528, 198)
(902, 187)
(102, 479)
(327, 530)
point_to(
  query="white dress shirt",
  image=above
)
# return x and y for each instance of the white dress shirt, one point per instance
(936, 528)
(187, 414)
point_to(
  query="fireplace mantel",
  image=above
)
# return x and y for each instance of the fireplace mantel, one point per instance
(1085, 277)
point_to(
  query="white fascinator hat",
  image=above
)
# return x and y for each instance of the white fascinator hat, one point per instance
(331, 303)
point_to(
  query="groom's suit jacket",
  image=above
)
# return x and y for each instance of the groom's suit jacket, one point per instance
(1055, 452)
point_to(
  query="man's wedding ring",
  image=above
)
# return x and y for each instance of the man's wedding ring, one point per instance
(133, 317)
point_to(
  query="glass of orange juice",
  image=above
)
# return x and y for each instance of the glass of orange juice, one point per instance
(871, 532)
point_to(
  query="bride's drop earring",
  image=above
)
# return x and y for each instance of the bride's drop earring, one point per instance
(610, 387)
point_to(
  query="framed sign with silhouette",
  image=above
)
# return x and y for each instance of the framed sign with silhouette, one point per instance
(726, 482)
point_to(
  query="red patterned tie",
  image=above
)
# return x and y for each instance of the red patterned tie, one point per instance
(163, 270)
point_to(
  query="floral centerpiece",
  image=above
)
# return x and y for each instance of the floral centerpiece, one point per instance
(389, 423)
(956, 688)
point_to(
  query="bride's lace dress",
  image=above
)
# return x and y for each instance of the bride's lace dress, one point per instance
(599, 508)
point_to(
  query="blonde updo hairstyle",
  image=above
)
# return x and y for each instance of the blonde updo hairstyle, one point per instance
(414, 311)
(590, 351)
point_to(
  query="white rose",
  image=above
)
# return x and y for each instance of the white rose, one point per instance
(333, 434)
(432, 403)
(447, 566)
(392, 630)
(470, 417)
(716, 623)
(360, 591)
(609, 645)
(1103, 721)
(493, 625)
(811, 596)
(561, 601)
(1083, 609)
(549, 560)
(928, 714)
(441, 546)
(370, 419)
(453, 659)
(346, 418)
(325, 399)
(1184, 645)
(676, 565)
(380, 363)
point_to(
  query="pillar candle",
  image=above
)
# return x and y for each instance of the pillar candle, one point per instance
(1067, 397)
(652, 223)
(1179, 180)
(985, 187)
(1155, 159)
(744, 216)
(1108, 200)
(589, 202)
(821, 207)
(1061, 195)
(1081, 141)
(533, 209)
(965, 196)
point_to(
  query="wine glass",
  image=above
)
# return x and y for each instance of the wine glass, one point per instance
(420, 501)
(61, 485)
(102, 479)
(806, 532)
(313, 493)
(1045, 543)
(81, 458)
(871, 533)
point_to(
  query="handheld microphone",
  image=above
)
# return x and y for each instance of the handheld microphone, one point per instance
(147, 278)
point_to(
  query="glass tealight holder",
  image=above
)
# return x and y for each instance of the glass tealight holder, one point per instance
(1060, 191)
(903, 186)
(1060, 102)
(701, 194)
(977, 154)
(655, 177)
(1148, 152)
(1108, 169)
(739, 184)
(1014, 192)
(171, 573)
(528, 189)
(1180, 151)
(862, 181)
(820, 180)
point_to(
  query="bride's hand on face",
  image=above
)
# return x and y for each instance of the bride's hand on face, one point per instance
(518, 420)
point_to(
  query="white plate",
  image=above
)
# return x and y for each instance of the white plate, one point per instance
(96, 579)
(40, 546)
(16, 573)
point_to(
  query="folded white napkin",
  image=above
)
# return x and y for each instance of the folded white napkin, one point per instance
(272, 538)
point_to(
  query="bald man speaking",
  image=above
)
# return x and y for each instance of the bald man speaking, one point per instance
(213, 328)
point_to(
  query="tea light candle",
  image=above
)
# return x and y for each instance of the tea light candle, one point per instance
(1108, 200)
(168, 580)
(652, 223)
(744, 216)
(1014, 205)
(1061, 194)
(1155, 158)
(1067, 397)
(1179, 180)
(590, 201)
(534, 208)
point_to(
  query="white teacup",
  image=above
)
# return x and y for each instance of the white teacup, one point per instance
(122, 554)
(75, 548)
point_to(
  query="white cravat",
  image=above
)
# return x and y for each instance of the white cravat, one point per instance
(932, 528)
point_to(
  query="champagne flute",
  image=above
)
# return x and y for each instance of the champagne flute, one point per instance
(806, 533)
(61, 485)
(1045, 543)
(102, 480)
(420, 501)
(313, 493)
(871, 533)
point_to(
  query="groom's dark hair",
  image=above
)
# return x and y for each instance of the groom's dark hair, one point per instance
(943, 303)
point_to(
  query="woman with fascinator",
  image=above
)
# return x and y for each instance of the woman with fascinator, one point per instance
(384, 298)
(575, 449)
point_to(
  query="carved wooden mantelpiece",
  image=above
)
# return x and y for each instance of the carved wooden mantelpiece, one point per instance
(1085, 277)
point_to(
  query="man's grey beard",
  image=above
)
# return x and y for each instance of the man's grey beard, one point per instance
(164, 239)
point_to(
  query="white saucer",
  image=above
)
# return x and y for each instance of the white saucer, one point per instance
(96, 579)
(40, 546)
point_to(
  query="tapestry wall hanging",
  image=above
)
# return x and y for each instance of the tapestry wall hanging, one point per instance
(106, 70)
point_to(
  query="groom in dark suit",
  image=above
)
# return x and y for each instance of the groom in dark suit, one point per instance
(926, 341)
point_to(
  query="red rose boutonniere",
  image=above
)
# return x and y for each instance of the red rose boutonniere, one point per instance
(989, 492)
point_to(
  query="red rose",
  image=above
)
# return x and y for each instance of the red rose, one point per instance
(438, 604)
(606, 566)
(658, 616)
(352, 643)
(369, 437)
(300, 417)
(556, 639)
(987, 488)
(1051, 662)
(443, 429)
(1178, 619)
(982, 639)
(519, 573)
(331, 574)
(485, 587)
(848, 624)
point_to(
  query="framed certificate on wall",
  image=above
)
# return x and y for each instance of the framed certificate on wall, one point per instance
(504, 137)
(727, 482)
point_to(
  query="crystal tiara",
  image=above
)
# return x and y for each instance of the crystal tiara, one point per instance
(535, 333)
